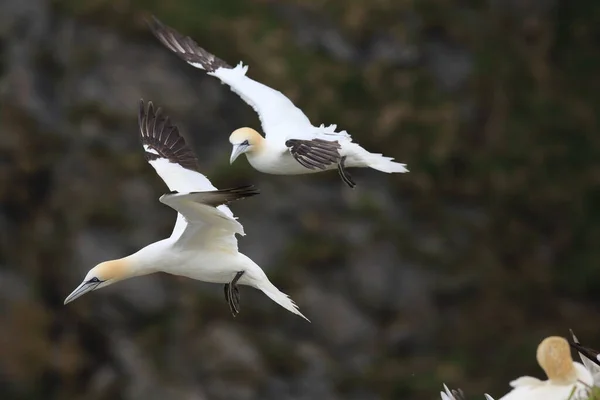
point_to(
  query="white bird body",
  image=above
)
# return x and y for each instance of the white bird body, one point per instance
(292, 145)
(278, 115)
(217, 265)
(202, 245)
(213, 266)
(566, 379)
(277, 159)
(530, 388)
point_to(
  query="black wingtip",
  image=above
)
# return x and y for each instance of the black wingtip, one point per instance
(141, 113)
(154, 23)
(242, 191)
(159, 134)
(218, 197)
(164, 33)
(146, 114)
(184, 46)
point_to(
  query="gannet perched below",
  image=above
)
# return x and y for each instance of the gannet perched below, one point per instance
(292, 145)
(203, 245)
(566, 379)
(448, 394)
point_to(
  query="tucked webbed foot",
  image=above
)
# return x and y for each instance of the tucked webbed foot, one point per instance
(344, 174)
(232, 294)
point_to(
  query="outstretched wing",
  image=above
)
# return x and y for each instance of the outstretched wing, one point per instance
(177, 165)
(279, 117)
(206, 224)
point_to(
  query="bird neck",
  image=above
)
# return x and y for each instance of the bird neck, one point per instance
(259, 146)
(582, 374)
(143, 262)
(267, 156)
(564, 377)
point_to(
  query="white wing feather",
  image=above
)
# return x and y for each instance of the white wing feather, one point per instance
(279, 117)
(206, 226)
(183, 180)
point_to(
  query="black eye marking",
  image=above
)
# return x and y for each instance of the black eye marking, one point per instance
(94, 280)
(245, 143)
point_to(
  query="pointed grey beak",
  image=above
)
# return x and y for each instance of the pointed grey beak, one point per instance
(81, 290)
(237, 150)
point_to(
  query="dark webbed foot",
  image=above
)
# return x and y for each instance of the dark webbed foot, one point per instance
(226, 290)
(232, 294)
(344, 174)
(234, 300)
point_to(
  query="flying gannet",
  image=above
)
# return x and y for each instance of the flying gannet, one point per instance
(566, 379)
(292, 145)
(202, 245)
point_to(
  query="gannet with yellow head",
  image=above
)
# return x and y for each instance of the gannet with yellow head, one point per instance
(246, 141)
(292, 145)
(566, 379)
(103, 274)
(203, 244)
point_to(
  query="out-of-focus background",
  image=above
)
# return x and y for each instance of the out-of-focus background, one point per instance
(452, 273)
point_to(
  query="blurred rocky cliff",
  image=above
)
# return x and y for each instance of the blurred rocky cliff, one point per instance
(451, 273)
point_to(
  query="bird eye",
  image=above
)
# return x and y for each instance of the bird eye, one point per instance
(245, 143)
(94, 280)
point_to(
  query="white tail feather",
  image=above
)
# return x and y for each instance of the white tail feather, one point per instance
(279, 297)
(385, 164)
